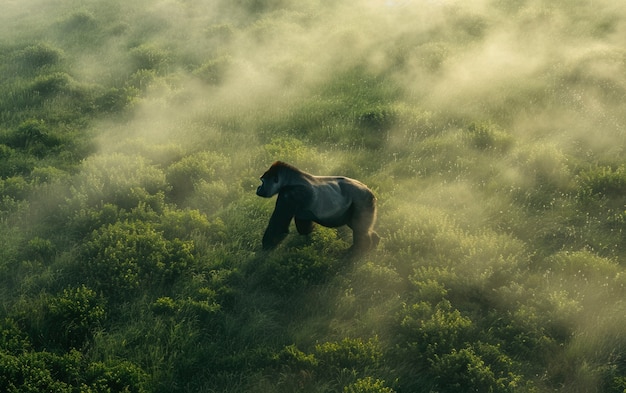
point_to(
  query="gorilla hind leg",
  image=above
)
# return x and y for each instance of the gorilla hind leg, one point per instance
(364, 238)
(364, 241)
(375, 239)
(304, 227)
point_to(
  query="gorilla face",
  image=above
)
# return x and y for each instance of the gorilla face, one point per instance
(269, 186)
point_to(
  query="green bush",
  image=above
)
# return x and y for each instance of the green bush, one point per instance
(376, 282)
(47, 85)
(201, 304)
(616, 385)
(569, 269)
(73, 316)
(290, 272)
(115, 100)
(15, 163)
(526, 334)
(79, 21)
(119, 259)
(48, 175)
(146, 57)
(40, 249)
(425, 332)
(38, 55)
(191, 172)
(295, 360)
(368, 385)
(602, 183)
(214, 72)
(84, 221)
(33, 137)
(348, 354)
(13, 341)
(15, 187)
(288, 149)
(120, 179)
(488, 137)
(47, 372)
(116, 376)
(186, 224)
(344, 364)
(32, 372)
(464, 371)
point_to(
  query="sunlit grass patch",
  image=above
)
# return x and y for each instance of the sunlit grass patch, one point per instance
(37, 56)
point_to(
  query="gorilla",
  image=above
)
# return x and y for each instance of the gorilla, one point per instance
(331, 201)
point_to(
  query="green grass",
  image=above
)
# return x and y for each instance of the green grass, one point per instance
(132, 137)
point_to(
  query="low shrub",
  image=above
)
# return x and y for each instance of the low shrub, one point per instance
(73, 316)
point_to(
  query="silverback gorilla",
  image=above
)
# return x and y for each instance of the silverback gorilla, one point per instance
(331, 201)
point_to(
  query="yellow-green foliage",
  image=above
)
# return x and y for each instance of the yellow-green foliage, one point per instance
(132, 137)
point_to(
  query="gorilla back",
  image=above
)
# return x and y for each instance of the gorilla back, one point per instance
(331, 201)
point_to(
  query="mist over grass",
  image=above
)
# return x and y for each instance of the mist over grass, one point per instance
(132, 135)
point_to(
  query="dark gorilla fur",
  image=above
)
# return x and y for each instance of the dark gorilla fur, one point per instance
(331, 201)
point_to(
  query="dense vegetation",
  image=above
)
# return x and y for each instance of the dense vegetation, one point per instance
(132, 135)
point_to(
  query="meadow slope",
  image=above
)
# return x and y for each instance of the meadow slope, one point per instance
(132, 136)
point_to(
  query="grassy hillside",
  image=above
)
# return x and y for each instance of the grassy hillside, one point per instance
(132, 136)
